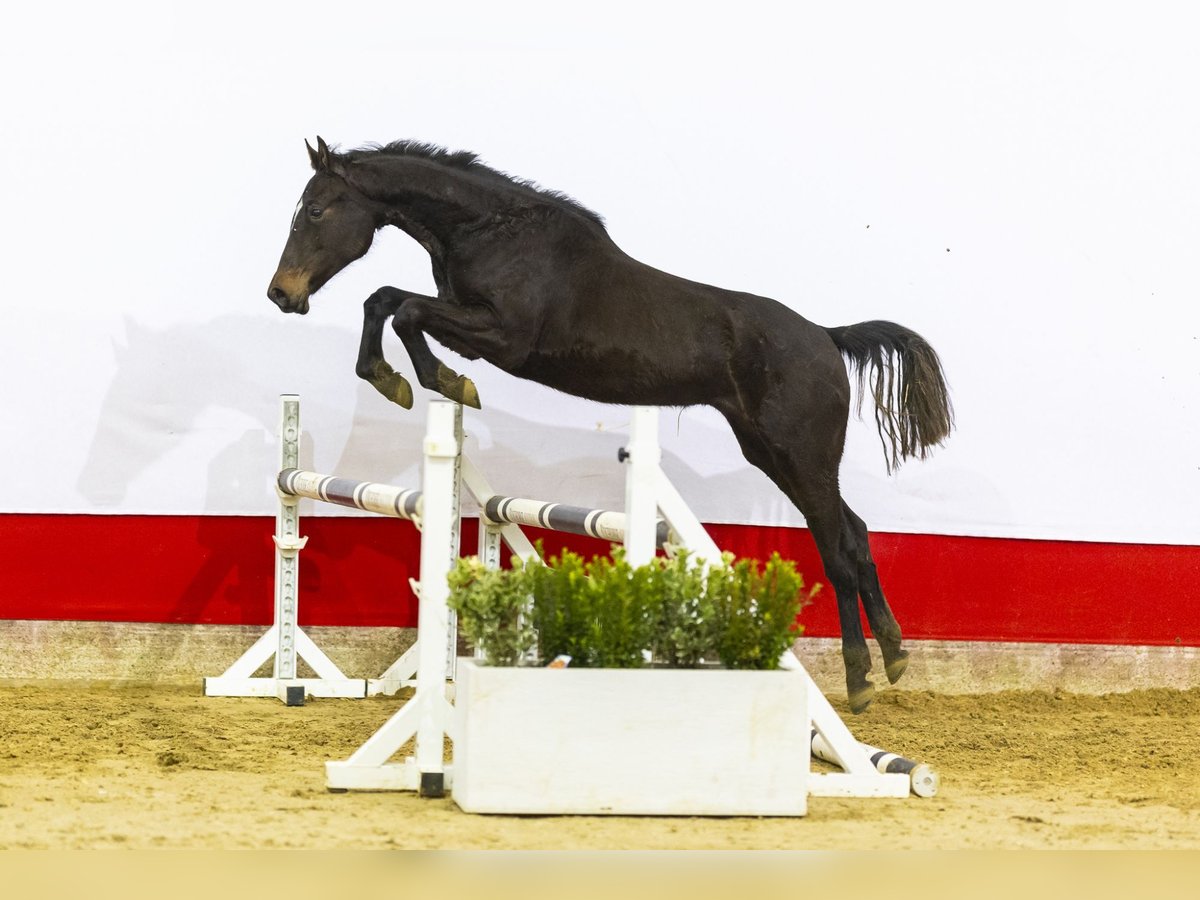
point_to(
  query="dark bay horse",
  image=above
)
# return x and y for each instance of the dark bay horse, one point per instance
(530, 281)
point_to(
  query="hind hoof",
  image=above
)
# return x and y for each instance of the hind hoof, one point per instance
(861, 698)
(896, 667)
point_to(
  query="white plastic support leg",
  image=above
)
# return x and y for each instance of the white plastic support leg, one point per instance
(642, 456)
(428, 715)
(439, 549)
(683, 521)
(252, 660)
(400, 674)
(859, 777)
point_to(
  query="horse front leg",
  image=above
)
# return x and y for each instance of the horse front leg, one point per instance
(371, 366)
(470, 331)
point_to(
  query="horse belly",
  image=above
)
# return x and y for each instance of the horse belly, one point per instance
(621, 375)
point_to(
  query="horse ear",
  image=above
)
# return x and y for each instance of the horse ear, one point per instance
(319, 157)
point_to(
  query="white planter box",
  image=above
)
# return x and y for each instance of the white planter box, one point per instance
(631, 741)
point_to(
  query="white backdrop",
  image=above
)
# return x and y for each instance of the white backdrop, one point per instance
(1018, 184)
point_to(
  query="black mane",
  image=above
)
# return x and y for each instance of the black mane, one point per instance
(469, 162)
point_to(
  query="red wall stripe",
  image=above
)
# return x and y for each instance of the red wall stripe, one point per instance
(355, 571)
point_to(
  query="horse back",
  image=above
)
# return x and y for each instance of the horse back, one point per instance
(582, 316)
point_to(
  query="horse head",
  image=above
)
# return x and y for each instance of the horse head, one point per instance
(334, 224)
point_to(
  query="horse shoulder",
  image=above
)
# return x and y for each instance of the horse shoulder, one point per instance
(525, 269)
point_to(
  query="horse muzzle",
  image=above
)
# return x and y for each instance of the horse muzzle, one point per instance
(289, 292)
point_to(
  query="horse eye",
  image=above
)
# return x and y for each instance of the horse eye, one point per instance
(315, 212)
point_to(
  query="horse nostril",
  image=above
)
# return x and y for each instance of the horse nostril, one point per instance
(276, 294)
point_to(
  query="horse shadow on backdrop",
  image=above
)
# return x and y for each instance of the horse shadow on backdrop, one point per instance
(216, 383)
(219, 382)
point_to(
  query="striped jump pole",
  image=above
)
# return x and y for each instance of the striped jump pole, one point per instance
(402, 503)
(370, 496)
(923, 779)
(597, 523)
(640, 527)
(385, 500)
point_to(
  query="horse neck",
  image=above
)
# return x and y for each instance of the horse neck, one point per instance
(423, 197)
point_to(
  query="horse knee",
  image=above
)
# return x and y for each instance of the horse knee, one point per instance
(404, 321)
(371, 306)
(381, 302)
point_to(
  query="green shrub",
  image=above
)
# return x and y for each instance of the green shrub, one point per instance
(619, 600)
(492, 609)
(561, 607)
(682, 621)
(608, 613)
(755, 611)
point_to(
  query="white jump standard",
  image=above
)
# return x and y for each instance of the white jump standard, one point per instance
(285, 640)
(429, 716)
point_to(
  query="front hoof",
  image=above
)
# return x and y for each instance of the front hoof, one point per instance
(861, 698)
(896, 667)
(462, 389)
(458, 388)
(397, 389)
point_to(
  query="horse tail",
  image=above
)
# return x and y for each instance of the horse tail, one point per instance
(912, 404)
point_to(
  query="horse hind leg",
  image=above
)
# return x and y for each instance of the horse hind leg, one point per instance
(884, 626)
(813, 489)
(824, 517)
